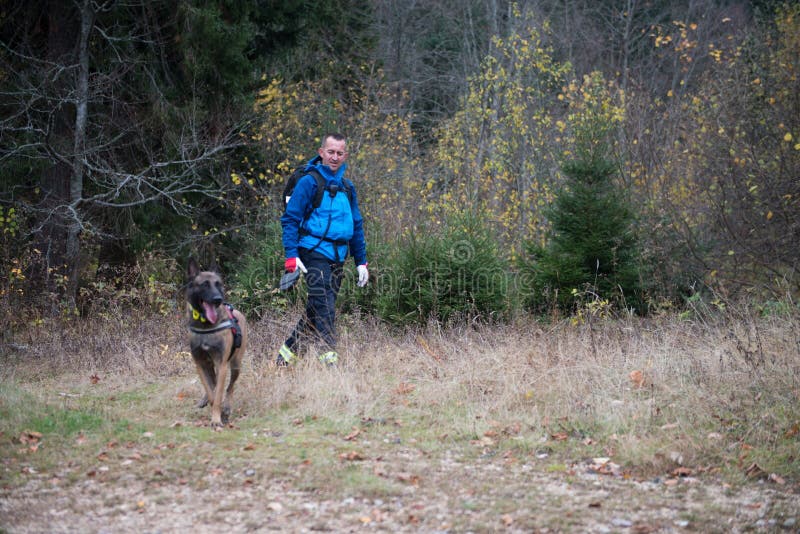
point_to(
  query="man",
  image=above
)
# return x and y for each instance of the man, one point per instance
(318, 240)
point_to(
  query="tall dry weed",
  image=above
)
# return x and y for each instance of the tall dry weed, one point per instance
(655, 391)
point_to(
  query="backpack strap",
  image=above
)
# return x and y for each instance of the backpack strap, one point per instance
(321, 188)
(314, 173)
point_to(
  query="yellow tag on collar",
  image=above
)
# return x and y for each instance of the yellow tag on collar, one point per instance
(196, 316)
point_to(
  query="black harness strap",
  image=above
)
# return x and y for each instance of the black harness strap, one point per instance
(232, 322)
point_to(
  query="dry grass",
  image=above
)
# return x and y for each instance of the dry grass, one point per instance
(653, 393)
(467, 429)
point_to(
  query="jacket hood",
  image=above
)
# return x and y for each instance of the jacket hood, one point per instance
(326, 172)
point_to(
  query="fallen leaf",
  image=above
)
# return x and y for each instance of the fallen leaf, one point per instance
(408, 478)
(353, 435)
(507, 520)
(249, 447)
(559, 436)
(754, 471)
(682, 472)
(637, 378)
(378, 515)
(404, 388)
(29, 436)
(352, 456)
(94, 379)
(793, 431)
(777, 479)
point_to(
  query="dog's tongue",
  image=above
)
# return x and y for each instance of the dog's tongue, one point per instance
(211, 312)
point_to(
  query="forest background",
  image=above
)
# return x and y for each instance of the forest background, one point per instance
(135, 134)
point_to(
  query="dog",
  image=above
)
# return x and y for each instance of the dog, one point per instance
(217, 339)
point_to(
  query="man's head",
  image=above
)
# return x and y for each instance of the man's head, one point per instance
(333, 150)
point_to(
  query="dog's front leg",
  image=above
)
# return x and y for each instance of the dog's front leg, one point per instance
(205, 369)
(219, 391)
(226, 405)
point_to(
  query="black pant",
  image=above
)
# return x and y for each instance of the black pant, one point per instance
(323, 280)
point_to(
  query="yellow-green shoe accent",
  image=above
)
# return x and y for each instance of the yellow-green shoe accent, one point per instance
(329, 358)
(286, 356)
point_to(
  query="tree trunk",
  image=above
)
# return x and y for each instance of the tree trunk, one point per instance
(48, 271)
(73, 248)
(62, 182)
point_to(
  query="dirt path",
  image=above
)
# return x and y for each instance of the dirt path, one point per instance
(490, 495)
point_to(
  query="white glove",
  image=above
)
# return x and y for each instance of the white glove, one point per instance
(363, 275)
(301, 266)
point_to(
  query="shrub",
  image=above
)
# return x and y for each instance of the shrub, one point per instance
(253, 283)
(446, 274)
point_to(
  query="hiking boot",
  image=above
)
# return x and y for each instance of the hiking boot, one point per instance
(286, 356)
(329, 358)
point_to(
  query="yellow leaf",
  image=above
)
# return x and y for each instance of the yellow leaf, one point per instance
(787, 137)
(769, 215)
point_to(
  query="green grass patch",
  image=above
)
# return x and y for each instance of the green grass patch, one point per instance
(66, 422)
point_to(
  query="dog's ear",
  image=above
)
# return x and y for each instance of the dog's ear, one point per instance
(193, 269)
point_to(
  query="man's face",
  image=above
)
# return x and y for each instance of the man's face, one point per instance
(333, 153)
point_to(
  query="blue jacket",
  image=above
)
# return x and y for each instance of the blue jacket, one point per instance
(338, 214)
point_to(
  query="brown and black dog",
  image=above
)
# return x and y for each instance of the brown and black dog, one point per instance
(217, 338)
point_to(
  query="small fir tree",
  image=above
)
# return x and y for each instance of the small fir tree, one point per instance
(591, 245)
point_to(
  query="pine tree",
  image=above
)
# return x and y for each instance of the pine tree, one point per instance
(591, 245)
